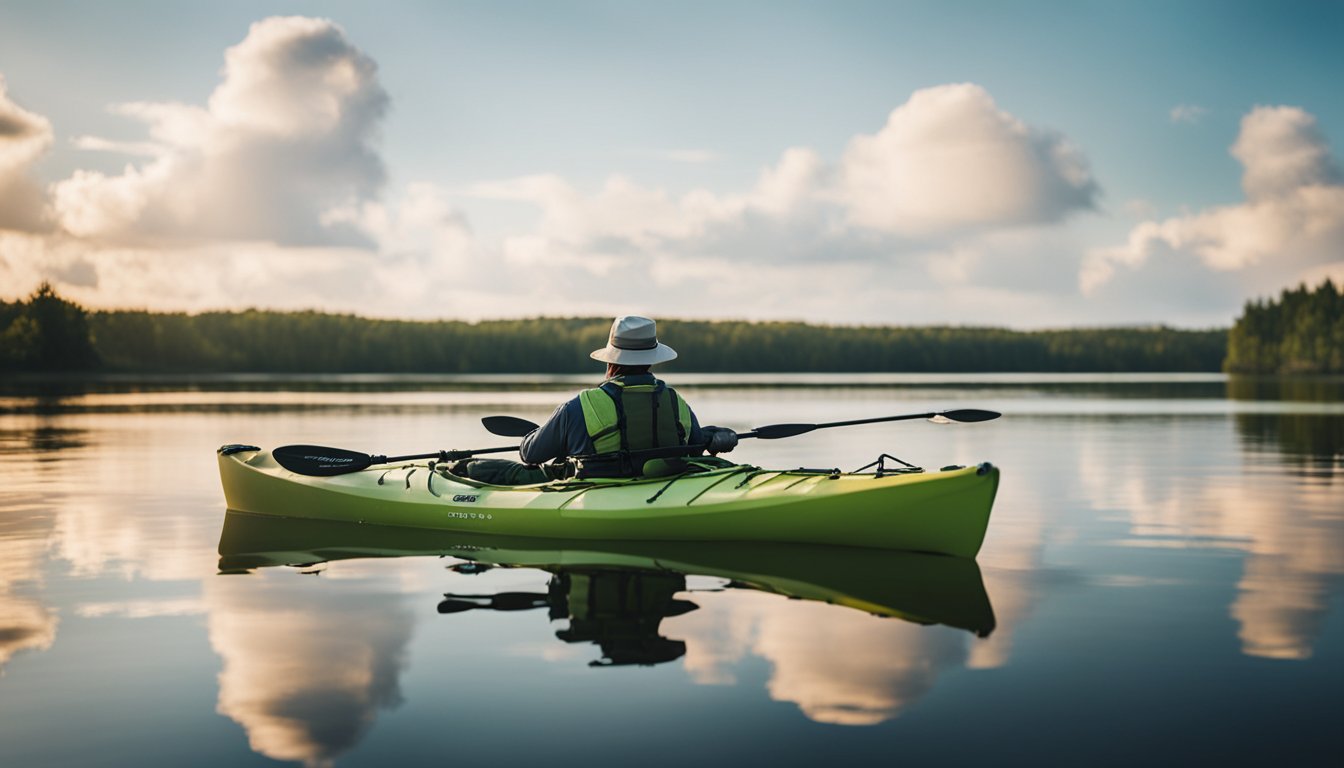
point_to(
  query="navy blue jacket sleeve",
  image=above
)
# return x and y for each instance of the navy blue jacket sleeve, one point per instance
(697, 437)
(564, 434)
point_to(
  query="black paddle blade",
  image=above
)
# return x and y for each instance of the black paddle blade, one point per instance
(777, 431)
(508, 426)
(318, 461)
(970, 414)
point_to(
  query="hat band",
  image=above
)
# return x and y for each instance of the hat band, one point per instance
(634, 344)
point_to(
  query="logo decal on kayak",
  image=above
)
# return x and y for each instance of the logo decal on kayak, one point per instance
(471, 515)
(464, 497)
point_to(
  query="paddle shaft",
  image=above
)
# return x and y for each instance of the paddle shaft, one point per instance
(440, 455)
(764, 432)
(856, 422)
(779, 431)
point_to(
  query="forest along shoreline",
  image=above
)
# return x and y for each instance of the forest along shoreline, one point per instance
(1301, 332)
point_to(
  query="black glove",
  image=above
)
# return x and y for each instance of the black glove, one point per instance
(721, 439)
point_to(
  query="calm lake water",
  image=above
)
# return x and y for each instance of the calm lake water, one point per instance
(1162, 583)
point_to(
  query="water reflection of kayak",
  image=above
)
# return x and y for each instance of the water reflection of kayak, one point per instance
(916, 587)
(902, 508)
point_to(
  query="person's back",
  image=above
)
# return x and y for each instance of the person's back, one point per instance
(611, 430)
(610, 427)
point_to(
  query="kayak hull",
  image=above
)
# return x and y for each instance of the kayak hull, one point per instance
(941, 512)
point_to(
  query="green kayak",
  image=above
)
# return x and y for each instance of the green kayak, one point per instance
(910, 586)
(944, 512)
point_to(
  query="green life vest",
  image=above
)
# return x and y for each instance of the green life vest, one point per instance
(632, 413)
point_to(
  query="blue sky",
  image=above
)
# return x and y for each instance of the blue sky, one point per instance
(689, 98)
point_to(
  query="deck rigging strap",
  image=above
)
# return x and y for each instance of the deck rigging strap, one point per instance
(674, 479)
(706, 489)
(906, 467)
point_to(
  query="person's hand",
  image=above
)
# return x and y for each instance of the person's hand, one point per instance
(721, 440)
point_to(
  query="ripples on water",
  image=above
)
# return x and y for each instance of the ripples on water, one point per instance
(1161, 583)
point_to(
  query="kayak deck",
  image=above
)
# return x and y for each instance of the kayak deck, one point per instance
(945, 512)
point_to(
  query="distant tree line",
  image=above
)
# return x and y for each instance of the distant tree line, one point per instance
(1301, 332)
(48, 333)
(45, 333)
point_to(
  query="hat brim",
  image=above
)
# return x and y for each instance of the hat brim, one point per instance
(659, 354)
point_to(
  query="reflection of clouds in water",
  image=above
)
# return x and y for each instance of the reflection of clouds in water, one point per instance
(1009, 562)
(25, 624)
(846, 667)
(1012, 593)
(116, 498)
(718, 635)
(142, 609)
(144, 535)
(97, 532)
(306, 666)
(1295, 546)
(1280, 609)
(1290, 528)
(851, 669)
(839, 666)
(99, 536)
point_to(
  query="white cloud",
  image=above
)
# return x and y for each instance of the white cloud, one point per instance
(286, 136)
(785, 188)
(268, 195)
(1282, 152)
(269, 192)
(96, 144)
(1187, 113)
(621, 210)
(949, 159)
(423, 224)
(24, 137)
(1291, 223)
(861, 239)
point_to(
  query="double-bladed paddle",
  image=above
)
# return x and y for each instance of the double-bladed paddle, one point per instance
(512, 426)
(319, 461)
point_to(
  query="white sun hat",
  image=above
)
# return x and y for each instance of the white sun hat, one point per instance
(634, 341)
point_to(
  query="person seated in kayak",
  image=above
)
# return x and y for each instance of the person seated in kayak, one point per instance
(605, 427)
